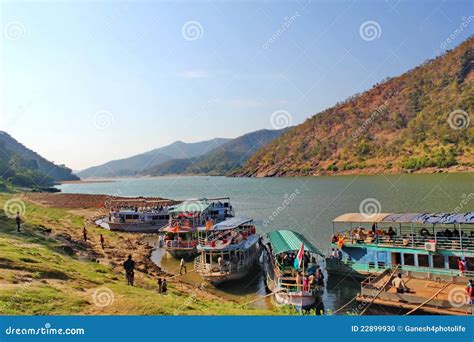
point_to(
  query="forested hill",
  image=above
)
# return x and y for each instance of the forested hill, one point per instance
(422, 119)
(21, 166)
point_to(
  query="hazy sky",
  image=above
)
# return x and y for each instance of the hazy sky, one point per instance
(92, 81)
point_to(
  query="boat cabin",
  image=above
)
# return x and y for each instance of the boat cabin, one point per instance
(433, 244)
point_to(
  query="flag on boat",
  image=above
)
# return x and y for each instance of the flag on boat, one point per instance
(299, 257)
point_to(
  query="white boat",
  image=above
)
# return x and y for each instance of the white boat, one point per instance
(228, 251)
(181, 236)
(283, 278)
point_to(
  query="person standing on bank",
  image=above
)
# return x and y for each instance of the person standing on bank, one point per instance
(18, 221)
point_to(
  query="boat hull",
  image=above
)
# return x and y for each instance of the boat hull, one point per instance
(131, 228)
(299, 300)
(187, 254)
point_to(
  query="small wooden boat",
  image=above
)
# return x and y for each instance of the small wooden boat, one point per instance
(229, 250)
(292, 283)
(181, 236)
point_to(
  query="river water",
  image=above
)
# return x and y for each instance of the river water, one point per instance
(304, 204)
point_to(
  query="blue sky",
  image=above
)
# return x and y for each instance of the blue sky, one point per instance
(91, 81)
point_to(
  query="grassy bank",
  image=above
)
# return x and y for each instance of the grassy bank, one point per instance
(48, 269)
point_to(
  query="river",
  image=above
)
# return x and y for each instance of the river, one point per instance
(304, 204)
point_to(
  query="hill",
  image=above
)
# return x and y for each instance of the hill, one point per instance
(220, 160)
(419, 120)
(23, 167)
(135, 165)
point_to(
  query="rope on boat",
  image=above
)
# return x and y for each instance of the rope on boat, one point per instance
(345, 305)
(260, 298)
(380, 291)
(429, 300)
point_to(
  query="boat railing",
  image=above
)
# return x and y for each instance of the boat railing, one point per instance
(466, 243)
(180, 244)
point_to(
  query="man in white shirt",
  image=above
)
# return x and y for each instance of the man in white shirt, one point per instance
(399, 284)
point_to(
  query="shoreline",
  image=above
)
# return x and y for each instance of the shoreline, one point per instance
(354, 172)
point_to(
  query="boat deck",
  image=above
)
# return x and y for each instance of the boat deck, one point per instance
(451, 300)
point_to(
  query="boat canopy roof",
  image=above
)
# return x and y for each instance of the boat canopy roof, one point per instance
(420, 218)
(190, 207)
(230, 223)
(283, 241)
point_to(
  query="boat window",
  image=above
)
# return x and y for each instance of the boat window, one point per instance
(469, 263)
(208, 258)
(381, 264)
(136, 217)
(408, 259)
(453, 262)
(423, 260)
(438, 261)
(371, 264)
(128, 217)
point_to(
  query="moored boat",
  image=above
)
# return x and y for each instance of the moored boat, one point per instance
(228, 250)
(415, 261)
(137, 216)
(181, 236)
(291, 269)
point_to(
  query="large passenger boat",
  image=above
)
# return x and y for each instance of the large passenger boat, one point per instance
(414, 261)
(291, 269)
(137, 216)
(421, 243)
(228, 250)
(181, 236)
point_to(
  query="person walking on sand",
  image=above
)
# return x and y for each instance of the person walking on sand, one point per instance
(18, 221)
(129, 267)
(84, 233)
(182, 266)
(102, 241)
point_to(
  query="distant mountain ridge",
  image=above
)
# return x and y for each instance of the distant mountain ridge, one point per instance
(419, 120)
(221, 160)
(23, 167)
(135, 165)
